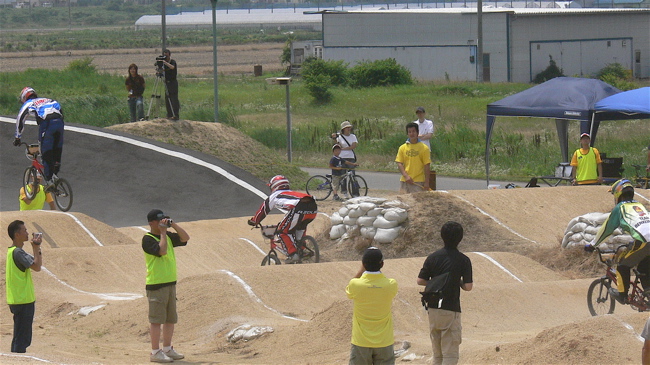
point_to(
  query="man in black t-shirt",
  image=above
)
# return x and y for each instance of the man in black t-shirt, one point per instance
(444, 318)
(171, 70)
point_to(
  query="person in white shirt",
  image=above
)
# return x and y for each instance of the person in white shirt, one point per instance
(425, 125)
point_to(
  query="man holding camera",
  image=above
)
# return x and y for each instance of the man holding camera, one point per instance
(161, 282)
(19, 283)
(172, 103)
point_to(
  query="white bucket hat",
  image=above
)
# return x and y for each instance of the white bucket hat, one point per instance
(346, 124)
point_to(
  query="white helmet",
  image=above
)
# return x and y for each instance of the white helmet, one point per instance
(278, 182)
(27, 94)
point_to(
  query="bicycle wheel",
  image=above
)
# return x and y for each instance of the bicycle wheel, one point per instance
(309, 250)
(357, 186)
(598, 299)
(271, 259)
(30, 180)
(319, 187)
(62, 193)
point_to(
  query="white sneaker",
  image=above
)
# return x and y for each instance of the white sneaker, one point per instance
(173, 354)
(160, 356)
(293, 259)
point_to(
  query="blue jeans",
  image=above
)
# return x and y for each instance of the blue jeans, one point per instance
(23, 319)
(136, 107)
(50, 135)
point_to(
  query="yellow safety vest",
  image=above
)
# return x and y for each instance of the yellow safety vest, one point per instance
(161, 269)
(37, 203)
(20, 287)
(587, 166)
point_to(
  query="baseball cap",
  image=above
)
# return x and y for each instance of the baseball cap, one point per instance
(372, 259)
(420, 109)
(155, 215)
(585, 135)
(346, 124)
(336, 146)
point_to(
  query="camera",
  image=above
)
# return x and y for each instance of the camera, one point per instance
(159, 61)
(169, 222)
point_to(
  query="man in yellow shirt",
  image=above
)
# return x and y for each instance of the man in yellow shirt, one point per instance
(372, 318)
(587, 165)
(39, 199)
(413, 159)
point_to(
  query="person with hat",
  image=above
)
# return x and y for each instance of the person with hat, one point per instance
(632, 218)
(372, 317)
(587, 164)
(348, 142)
(158, 245)
(425, 127)
(444, 315)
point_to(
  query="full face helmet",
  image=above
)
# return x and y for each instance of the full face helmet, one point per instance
(618, 186)
(27, 94)
(278, 182)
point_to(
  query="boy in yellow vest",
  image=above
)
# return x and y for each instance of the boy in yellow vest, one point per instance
(587, 165)
(19, 284)
(39, 200)
(161, 282)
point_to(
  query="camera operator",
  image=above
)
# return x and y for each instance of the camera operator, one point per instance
(158, 246)
(19, 283)
(171, 70)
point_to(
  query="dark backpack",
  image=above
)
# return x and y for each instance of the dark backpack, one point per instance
(436, 291)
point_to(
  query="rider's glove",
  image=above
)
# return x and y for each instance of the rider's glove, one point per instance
(251, 223)
(16, 142)
(589, 248)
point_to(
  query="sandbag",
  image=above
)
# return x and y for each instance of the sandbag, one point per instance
(395, 214)
(386, 235)
(374, 212)
(366, 221)
(349, 221)
(579, 227)
(337, 231)
(343, 211)
(336, 218)
(382, 222)
(366, 206)
(356, 212)
(368, 232)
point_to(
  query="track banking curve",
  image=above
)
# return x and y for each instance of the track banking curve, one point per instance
(117, 178)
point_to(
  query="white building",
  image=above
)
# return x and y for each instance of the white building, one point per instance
(438, 44)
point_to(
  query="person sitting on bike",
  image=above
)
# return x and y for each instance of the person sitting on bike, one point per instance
(632, 217)
(49, 118)
(300, 210)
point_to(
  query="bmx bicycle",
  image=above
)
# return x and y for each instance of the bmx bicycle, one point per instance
(642, 178)
(307, 247)
(600, 301)
(320, 187)
(61, 190)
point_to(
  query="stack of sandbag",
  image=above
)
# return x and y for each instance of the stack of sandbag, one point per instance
(582, 230)
(378, 219)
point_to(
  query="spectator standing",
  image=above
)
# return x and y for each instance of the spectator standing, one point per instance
(413, 160)
(39, 199)
(19, 284)
(171, 85)
(348, 142)
(135, 86)
(338, 166)
(648, 166)
(587, 164)
(49, 117)
(160, 258)
(425, 127)
(444, 316)
(372, 318)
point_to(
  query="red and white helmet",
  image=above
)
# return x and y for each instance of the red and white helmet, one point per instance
(27, 94)
(278, 182)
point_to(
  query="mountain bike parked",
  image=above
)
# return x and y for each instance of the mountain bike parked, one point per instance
(320, 187)
(599, 299)
(307, 247)
(61, 190)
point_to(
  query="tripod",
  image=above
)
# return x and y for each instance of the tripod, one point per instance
(156, 95)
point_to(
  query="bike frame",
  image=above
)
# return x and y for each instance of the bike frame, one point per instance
(35, 159)
(637, 299)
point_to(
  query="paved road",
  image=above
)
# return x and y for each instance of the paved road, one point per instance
(390, 181)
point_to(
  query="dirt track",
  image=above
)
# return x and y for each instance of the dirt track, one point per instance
(531, 315)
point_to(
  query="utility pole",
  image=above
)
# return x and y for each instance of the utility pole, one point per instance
(479, 46)
(214, 60)
(164, 27)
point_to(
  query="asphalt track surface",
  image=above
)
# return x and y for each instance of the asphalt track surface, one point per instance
(118, 182)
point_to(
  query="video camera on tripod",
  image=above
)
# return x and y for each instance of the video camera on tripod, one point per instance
(160, 70)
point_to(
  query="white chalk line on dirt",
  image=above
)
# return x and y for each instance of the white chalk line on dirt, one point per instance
(29, 357)
(253, 244)
(252, 294)
(644, 198)
(180, 155)
(108, 296)
(499, 265)
(629, 327)
(79, 223)
(491, 217)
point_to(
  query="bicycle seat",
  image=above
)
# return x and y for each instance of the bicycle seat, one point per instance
(329, 176)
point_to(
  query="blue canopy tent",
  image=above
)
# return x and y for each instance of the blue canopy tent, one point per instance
(633, 104)
(562, 98)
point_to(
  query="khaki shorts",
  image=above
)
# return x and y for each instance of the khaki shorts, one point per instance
(406, 188)
(162, 305)
(367, 355)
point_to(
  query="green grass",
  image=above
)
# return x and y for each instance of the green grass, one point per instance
(521, 147)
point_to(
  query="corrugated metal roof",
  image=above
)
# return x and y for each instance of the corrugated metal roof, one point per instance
(518, 11)
(233, 16)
